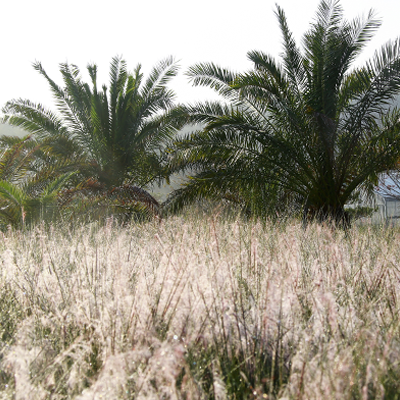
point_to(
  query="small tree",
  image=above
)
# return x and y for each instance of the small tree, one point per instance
(30, 180)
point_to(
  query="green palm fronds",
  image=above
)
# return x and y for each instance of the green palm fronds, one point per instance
(308, 131)
(115, 135)
(20, 207)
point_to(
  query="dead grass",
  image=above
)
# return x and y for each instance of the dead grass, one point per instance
(200, 309)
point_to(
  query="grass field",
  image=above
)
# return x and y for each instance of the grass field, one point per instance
(200, 308)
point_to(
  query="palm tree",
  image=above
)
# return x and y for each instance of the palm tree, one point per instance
(114, 136)
(309, 131)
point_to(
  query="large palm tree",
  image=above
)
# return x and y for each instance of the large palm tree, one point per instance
(114, 136)
(308, 131)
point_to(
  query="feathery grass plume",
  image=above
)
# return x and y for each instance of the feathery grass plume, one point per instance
(199, 308)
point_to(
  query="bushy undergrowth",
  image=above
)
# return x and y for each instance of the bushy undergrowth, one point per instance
(200, 309)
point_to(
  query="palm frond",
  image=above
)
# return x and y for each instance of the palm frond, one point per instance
(159, 77)
(33, 118)
(292, 59)
(217, 78)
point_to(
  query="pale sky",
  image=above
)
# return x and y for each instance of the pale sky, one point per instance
(83, 31)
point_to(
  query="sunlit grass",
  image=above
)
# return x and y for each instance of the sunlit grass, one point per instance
(200, 308)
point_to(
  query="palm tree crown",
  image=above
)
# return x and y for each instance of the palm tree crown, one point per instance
(113, 135)
(307, 131)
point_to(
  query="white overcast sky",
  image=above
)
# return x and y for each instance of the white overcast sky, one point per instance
(146, 31)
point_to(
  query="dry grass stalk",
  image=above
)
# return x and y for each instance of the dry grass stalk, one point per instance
(194, 309)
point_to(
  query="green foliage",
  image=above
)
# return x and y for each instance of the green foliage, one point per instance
(306, 132)
(30, 180)
(360, 212)
(21, 207)
(114, 137)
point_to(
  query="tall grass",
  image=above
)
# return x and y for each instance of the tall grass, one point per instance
(200, 309)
